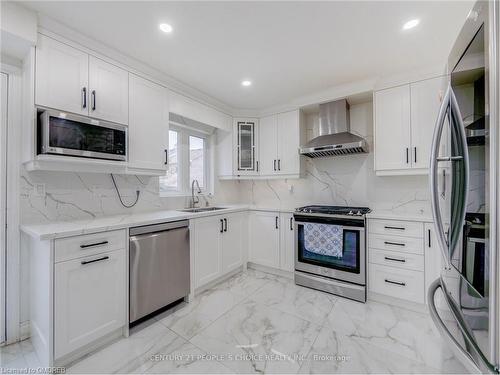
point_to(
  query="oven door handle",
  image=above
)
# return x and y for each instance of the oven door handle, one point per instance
(361, 229)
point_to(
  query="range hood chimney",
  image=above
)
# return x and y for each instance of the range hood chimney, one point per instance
(335, 137)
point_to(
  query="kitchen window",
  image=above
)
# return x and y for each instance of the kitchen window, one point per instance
(188, 160)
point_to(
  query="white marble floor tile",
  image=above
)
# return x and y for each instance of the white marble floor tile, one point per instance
(126, 354)
(305, 303)
(185, 359)
(188, 319)
(245, 283)
(255, 338)
(403, 332)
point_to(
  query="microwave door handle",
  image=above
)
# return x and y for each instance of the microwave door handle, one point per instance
(436, 213)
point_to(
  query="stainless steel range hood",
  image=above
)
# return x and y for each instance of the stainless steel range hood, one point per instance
(335, 137)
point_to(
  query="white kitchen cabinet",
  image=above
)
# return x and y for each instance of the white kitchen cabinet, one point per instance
(268, 142)
(426, 99)
(392, 129)
(224, 154)
(246, 144)
(108, 91)
(232, 241)
(89, 299)
(71, 80)
(288, 143)
(405, 117)
(148, 125)
(264, 238)
(287, 242)
(61, 79)
(207, 249)
(279, 144)
(218, 246)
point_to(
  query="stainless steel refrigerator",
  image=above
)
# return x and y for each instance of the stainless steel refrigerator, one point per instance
(464, 183)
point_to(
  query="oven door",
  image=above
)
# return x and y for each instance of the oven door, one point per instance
(346, 262)
(66, 134)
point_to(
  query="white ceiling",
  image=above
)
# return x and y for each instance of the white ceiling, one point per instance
(287, 49)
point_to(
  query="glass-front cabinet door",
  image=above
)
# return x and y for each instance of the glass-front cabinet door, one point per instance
(246, 131)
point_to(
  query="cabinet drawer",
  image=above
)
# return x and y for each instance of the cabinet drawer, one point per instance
(396, 282)
(89, 244)
(396, 259)
(396, 227)
(396, 243)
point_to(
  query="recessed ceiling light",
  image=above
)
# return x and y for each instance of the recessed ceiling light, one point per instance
(411, 24)
(246, 82)
(166, 28)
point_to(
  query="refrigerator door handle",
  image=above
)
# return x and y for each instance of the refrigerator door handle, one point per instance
(465, 357)
(436, 213)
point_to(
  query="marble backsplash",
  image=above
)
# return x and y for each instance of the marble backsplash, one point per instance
(75, 196)
(342, 180)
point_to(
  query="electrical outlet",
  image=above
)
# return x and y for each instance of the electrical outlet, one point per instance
(39, 190)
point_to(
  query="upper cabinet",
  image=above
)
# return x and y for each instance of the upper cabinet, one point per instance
(263, 148)
(71, 80)
(280, 139)
(148, 124)
(108, 90)
(246, 134)
(62, 76)
(404, 121)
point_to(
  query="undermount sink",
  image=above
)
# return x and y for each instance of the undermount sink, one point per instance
(202, 209)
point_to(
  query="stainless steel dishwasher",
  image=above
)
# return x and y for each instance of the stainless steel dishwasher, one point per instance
(159, 267)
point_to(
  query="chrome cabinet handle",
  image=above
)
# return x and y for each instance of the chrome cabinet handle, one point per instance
(225, 225)
(291, 223)
(429, 237)
(400, 283)
(415, 153)
(274, 165)
(84, 262)
(221, 225)
(395, 259)
(257, 165)
(276, 222)
(93, 100)
(166, 156)
(279, 164)
(407, 156)
(94, 244)
(84, 97)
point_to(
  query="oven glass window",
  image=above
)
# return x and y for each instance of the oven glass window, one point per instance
(74, 135)
(322, 245)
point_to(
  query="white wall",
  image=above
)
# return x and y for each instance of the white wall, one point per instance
(343, 180)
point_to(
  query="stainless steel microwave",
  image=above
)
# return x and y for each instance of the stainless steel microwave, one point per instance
(62, 133)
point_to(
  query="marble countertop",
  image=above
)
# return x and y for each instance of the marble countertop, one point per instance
(390, 215)
(49, 231)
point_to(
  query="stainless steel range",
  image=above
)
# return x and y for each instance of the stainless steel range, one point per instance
(330, 252)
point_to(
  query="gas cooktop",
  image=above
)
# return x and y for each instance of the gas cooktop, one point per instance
(333, 210)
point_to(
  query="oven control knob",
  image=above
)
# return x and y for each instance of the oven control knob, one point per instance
(350, 213)
(358, 213)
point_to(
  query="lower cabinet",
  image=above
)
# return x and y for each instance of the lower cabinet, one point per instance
(396, 259)
(89, 299)
(287, 242)
(79, 290)
(264, 238)
(272, 239)
(218, 246)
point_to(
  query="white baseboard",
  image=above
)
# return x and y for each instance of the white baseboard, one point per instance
(24, 330)
(271, 270)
